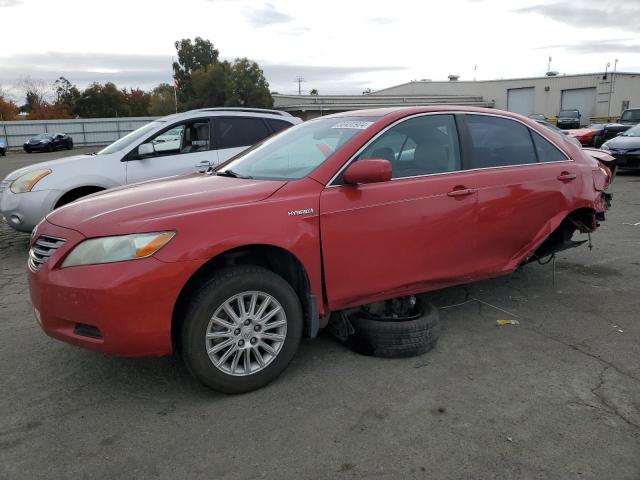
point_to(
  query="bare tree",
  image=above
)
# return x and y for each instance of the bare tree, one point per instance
(36, 92)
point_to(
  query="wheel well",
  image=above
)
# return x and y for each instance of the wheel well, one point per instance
(76, 193)
(276, 259)
(583, 219)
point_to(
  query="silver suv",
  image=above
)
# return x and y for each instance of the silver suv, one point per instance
(173, 145)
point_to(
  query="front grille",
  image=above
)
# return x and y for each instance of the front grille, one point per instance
(42, 249)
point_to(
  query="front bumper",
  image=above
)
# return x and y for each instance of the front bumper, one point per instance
(122, 309)
(38, 147)
(23, 211)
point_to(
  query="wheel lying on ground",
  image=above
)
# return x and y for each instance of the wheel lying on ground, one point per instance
(241, 329)
(395, 337)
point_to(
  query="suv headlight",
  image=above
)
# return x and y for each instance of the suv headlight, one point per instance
(117, 249)
(604, 146)
(27, 181)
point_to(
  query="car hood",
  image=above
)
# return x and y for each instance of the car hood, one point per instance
(624, 143)
(52, 164)
(143, 206)
(578, 132)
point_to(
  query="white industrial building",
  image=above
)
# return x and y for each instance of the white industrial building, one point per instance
(598, 96)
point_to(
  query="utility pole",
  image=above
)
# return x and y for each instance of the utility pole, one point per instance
(613, 76)
(549, 65)
(299, 80)
(475, 68)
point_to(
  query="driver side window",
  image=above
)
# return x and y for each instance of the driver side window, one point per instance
(188, 137)
(419, 146)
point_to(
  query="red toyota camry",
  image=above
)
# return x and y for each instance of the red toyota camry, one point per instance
(233, 267)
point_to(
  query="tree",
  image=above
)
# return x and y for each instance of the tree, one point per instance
(8, 109)
(35, 93)
(162, 100)
(98, 101)
(65, 93)
(137, 101)
(199, 54)
(47, 111)
(212, 87)
(313, 91)
(250, 88)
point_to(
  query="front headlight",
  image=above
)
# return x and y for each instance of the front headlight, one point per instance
(604, 146)
(27, 181)
(117, 249)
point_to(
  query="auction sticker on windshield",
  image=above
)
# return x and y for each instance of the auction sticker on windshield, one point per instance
(357, 124)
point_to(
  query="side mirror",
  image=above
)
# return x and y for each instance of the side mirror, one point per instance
(146, 149)
(368, 170)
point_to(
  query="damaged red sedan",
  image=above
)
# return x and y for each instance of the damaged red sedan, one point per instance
(233, 267)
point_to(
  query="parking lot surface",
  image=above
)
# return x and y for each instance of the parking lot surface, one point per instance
(555, 397)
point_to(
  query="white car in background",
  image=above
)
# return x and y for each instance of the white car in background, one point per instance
(173, 145)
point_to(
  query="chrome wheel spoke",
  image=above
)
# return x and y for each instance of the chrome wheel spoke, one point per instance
(252, 304)
(258, 355)
(221, 322)
(268, 348)
(247, 360)
(274, 324)
(272, 336)
(226, 334)
(226, 355)
(263, 307)
(232, 314)
(234, 362)
(270, 315)
(219, 346)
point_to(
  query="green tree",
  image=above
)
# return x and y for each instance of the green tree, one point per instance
(250, 87)
(212, 87)
(162, 100)
(66, 94)
(199, 54)
(98, 101)
(313, 91)
(137, 101)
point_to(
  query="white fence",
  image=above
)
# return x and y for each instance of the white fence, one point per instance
(84, 131)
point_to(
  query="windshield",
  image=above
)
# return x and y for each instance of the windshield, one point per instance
(128, 139)
(295, 152)
(630, 116)
(42, 136)
(632, 132)
(569, 113)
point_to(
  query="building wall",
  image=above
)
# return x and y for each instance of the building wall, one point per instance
(548, 91)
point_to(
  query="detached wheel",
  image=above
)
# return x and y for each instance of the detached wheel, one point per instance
(241, 329)
(385, 337)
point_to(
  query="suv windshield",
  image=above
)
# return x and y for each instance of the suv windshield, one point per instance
(294, 153)
(632, 132)
(569, 113)
(129, 138)
(630, 116)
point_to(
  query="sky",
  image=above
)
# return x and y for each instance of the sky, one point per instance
(337, 46)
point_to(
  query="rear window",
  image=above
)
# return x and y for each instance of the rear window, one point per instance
(232, 132)
(546, 151)
(569, 113)
(631, 116)
(499, 142)
(278, 125)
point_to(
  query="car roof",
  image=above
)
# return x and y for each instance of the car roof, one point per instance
(383, 112)
(231, 111)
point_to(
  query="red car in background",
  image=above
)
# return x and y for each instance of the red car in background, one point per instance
(596, 134)
(233, 267)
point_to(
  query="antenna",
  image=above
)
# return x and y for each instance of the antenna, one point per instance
(300, 80)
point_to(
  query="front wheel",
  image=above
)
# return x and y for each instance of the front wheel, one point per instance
(241, 329)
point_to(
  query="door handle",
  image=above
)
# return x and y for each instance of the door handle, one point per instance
(460, 192)
(567, 177)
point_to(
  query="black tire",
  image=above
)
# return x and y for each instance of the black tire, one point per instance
(395, 338)
(69, 145)
(50, 148)
(3, 153)
(27, 150)
(209, 297)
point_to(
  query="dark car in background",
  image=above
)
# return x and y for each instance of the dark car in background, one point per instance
(48, 142)
(597, 133)
(625, 148)
(568, 119)
(3, 147)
